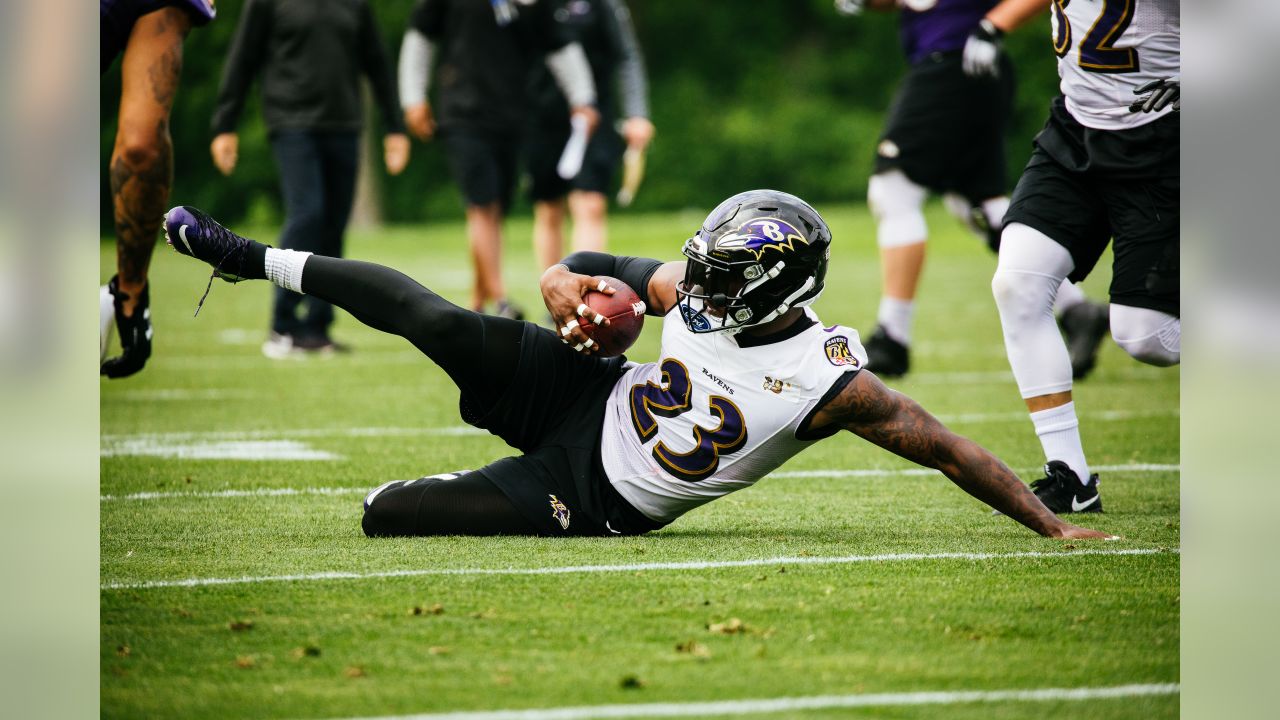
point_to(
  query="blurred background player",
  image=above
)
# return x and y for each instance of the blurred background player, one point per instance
(149, 33)
(604, 29)
(485, 50)
(1104, 169)
(946, 133)
(310, 55)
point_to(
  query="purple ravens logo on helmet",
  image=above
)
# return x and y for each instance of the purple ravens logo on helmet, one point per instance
(762, 234)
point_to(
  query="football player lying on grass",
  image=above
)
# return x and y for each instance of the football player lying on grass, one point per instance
(747, 378)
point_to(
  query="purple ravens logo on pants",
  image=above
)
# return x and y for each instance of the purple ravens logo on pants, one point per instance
(560, 512)
(761, 235)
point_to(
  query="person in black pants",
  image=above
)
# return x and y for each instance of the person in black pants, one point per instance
(604, 29)
(484, 51)
(310, 54)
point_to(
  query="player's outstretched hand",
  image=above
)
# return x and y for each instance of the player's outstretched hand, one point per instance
(981, 56)
(1067, 531)
(1158, 95)
(562, 293)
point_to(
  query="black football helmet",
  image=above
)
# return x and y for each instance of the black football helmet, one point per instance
(756, 256)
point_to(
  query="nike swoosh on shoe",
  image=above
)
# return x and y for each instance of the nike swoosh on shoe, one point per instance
(1077, 506)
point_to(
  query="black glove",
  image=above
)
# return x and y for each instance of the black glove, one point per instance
(981, 55)
(1163, 92)
(135, 333)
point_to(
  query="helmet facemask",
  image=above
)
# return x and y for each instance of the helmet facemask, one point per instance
(757, 255)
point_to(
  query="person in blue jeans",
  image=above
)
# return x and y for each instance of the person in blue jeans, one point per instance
(309, 55)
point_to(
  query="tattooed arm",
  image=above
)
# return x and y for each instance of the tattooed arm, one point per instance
(898, 424)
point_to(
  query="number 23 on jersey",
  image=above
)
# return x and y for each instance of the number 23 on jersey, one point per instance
(672, 398)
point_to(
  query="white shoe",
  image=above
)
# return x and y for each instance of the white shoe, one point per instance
(278, 346)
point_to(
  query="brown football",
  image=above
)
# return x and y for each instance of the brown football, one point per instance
(625, 311)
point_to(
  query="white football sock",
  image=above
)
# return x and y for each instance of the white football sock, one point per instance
(284, 268)
(1069, 296)
(1059, 432)
(895, 317)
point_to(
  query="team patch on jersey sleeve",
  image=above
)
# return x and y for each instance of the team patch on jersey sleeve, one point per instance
(838, 352)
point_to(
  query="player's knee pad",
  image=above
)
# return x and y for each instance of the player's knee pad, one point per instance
(1150, 336)
(1025, 285)
(898, 206)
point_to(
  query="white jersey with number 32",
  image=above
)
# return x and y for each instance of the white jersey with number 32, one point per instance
(1107, 49)
(714, 416)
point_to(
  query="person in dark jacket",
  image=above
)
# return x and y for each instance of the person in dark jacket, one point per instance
(310, 55)
(604, 29)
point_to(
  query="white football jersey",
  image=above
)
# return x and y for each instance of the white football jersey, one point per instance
(1107, 49)
(712, 417)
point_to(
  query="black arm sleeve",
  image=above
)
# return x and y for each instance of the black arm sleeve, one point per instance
(634, 271)
(374, 60)
(243, 60)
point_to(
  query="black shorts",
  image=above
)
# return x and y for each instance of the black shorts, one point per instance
(484, 163)
(1084, 187)
(946, 130)
(553, 412)
(599, 165)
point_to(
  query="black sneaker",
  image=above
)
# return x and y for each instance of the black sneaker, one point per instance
(509, 310)
(1060, 490)
(319, 344)
(135, 332)
(193, 233)
(887, 357)
(1085, 325)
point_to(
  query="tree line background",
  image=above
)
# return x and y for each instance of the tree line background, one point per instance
(744, 93)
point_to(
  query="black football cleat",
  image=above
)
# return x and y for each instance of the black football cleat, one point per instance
(1061, 491)
(887, 357)
(1085, 325)
(193, 233)
(135, 332)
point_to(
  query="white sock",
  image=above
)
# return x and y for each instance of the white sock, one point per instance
(1069, 296)
(1059, 432)
(284, 268)
(895, 317)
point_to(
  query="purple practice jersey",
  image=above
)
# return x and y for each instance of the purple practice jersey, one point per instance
(938, 26)
(118, 17)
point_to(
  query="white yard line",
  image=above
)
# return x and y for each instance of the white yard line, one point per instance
(811, 702)
(111, 440)
(632, 567)
(273, 492)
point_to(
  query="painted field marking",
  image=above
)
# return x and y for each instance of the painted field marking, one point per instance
(633, 567)
(274, 450)
(112, 443)
(811, 702)
(286, 491)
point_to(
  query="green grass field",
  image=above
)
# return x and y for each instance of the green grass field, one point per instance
(413, 626)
